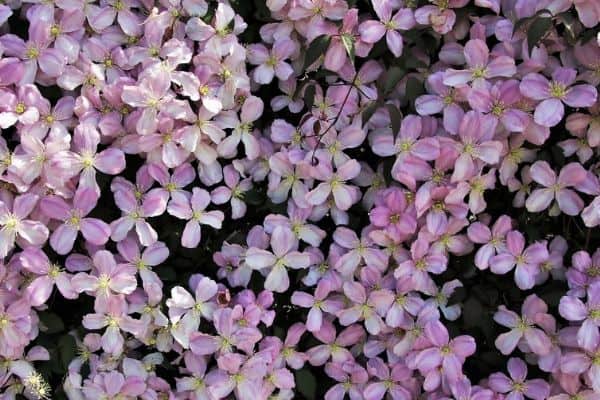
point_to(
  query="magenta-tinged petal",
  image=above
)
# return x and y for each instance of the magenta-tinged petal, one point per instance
(63, 238)
(191, 235)
(581, 96)
(549, 112)
(111, 161)
(371, 31)
(569, 202)
(95, 231)
(508, 341)
(539, 200)
(40, 290)
(258, 258)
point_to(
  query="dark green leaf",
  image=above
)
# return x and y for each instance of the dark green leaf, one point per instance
(316, 49)
(395, 117)
(309, 96)
(51, 322)
(348, 42)
(414, 88)
(392, 77)
(67, 349)
(306, 383)
(537, 30)
(369, 111)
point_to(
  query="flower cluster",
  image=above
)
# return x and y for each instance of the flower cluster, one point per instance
(281, 199)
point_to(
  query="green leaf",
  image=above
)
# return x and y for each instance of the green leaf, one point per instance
(395, 117)
(537, 30)
(51, 322)
(392, 77)
(309, 96)
(348, 42)
(414, 88)
(306, 384)
(67, 349)
(369, 111)
(571, 25)
(316, 49)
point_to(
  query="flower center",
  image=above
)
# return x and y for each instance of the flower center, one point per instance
(558, 90)
(20, 108)
(103, 281)
(32, 53)
(479, 72)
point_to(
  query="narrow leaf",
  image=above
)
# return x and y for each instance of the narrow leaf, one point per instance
(537, 30)
(395, 117)
(348, 42)
(392, 77)
(316, 48)
(369, 111)
(309, 96)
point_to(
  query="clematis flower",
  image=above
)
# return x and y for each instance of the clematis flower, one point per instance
(449, 354)
(85, 159)
(243, 127)
(47, 275)
(271, 63)
(567, 200)
(74, 220)
(193, 209)
(523, 328)
(372, 31)
(15, 226)
(108, 280)
(573, 309)
(284, 245)
(480, 67)
(114, 317)
(395, 381)
(552, 94)
(334, 183)
(516, 385)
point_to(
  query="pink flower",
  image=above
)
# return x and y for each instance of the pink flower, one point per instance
(477, 56)
(135, 216)
(109, 279)
(317, 304)
(516, 386)
(527, 260)
(193, 209)
(153, 255)
(233, 191)
(185, 310)
(351, 377)
(422, 262)
(271, 63)
(85, 158)
(573, 309)
(523, 330)
(556, 188)
(449, 354)
(47, 274)
(553, 94)
(230, 336)
(493, 240)
(284, 245)
(114, 317)
(243, 127)
(334, 183)
(93, 230)
(396, 382)
(475, 146)
(15, 226)
(372, 31)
